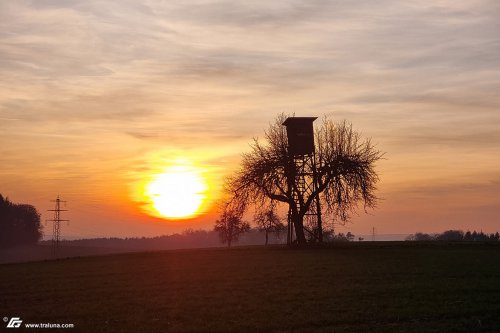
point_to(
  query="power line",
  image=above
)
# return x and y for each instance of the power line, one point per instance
(56, 229)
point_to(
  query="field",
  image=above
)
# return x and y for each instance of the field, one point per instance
(356, 287)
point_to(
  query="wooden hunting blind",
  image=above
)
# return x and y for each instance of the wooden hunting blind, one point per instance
(300, 134)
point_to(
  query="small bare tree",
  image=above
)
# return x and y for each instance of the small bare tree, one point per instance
(345, 174)
(230, 226)
(267, 220)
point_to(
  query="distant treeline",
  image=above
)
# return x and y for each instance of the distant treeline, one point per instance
(188, 239)
(456, 236)
(19, 224)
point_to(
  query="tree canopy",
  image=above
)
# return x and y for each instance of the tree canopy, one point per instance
(344, 174)
(269, 222)
(230, 226)
(19, 224)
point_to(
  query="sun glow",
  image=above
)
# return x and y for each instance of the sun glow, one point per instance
(178, 192)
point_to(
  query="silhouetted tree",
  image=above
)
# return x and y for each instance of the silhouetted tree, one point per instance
(455, 235)
(345, 174)
(19, 224)
(481, 237)
(268, 221)
(451, 235)
(230, 226)
(341, 237)
(420, 237)
(328, 235)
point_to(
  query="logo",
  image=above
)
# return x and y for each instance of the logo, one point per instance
(14, 322)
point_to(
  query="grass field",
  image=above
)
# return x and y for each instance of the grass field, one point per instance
(356, 287)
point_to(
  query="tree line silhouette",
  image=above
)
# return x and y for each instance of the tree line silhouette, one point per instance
(456, 236)
(19, 224)
(189, 238)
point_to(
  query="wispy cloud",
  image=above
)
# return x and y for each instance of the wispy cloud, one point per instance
(421, 77)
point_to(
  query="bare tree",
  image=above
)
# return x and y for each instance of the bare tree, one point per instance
(230, 226)
(345, 174)
(268, 220)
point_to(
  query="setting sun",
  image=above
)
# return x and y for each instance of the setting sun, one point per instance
(179, 192)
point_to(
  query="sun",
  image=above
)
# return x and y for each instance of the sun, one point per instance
(177, 193)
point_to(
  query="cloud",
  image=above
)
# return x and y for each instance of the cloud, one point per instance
(420, 77)
(74, 61)
(249, 15)
(483, 188)
(180, 138)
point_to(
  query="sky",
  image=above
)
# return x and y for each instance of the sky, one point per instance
(97, 97)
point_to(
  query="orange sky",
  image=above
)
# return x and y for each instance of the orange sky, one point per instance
(96, 97)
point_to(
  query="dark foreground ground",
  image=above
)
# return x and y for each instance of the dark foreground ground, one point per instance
(357, 287)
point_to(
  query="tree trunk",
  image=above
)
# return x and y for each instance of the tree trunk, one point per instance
(267, 232)
(298, 223)
(229, 242)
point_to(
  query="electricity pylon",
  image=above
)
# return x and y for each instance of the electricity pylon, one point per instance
(56, 229)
